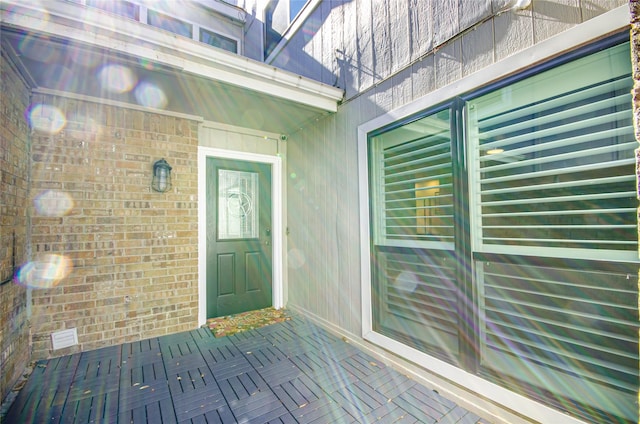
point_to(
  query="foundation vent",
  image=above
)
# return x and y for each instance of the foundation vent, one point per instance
(64, 338)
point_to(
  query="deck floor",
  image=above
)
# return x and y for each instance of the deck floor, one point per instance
(291, 372)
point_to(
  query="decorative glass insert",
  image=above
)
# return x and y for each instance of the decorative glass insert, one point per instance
(237, 204)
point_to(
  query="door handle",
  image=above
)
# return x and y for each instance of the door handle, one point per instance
(268, 232)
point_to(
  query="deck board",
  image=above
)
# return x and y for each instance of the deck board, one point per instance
(290, 372)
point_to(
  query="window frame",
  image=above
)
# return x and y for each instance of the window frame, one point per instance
(475, 216)
(547, 55)
(202, 30)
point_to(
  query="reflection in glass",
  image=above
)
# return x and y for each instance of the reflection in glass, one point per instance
(237, 204)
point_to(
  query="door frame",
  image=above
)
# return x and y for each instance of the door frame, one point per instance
(276, 222)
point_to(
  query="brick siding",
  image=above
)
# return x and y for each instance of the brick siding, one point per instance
(14, 181)
(133, 251)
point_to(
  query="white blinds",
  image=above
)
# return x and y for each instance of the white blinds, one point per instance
(556, 174)
(415, 197)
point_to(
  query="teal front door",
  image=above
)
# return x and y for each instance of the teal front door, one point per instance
(239, 245)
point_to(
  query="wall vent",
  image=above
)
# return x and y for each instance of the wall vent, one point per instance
(64, 338)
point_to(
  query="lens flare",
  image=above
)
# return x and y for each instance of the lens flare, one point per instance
(310, 28)
(407, 281)
(296, 259)
(117, 78)
(150, 95)
(46, 118)
(53, 203)
(38, 49)
(46, 272)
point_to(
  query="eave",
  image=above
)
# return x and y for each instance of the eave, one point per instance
(96, 29)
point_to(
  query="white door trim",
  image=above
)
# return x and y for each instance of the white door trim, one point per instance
(276, 211)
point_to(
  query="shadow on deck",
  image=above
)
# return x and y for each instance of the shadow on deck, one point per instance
(291, 372)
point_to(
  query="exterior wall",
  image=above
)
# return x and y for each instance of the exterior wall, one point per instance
(15, 346)
(323, 156)
(359, 44)
(131, 253)
(385, 56)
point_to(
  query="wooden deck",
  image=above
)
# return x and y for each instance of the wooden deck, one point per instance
(292, 372)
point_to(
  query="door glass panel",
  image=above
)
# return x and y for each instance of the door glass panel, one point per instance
(237, 204)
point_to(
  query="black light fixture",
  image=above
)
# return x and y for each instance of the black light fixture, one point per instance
(161, 176)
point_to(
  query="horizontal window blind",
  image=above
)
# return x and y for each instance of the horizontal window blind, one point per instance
(559, 174)
(416, 184)
(417, 300)
(573, 332)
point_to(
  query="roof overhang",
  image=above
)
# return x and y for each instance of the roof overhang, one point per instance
(199, 79)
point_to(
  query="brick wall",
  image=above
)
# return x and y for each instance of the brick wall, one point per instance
(127, 255)
(14, 171)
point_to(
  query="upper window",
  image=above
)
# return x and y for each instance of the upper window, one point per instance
(169, 23)
(216, 40)
(117, 7)
(553, 164)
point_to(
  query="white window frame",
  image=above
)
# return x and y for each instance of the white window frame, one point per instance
(464, 382)
(143, 17)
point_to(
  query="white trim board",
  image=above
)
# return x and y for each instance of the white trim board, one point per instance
(590, 31)
(277, 224)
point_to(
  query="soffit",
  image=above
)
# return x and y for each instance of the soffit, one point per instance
(67, 48)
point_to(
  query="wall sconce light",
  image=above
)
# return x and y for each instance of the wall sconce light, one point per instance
(161, 176)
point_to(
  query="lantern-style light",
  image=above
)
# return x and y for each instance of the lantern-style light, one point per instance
(161, 176)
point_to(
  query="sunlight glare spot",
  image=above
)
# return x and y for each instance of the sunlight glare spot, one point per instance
(37, 50)
(46, 118)
(296, 259)
(46, 272)
(150, 95)
(407, 281)
(117, 78)
(53, 203)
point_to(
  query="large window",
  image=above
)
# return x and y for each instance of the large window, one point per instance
(414, 190)
(553, 162)
(504, 228)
